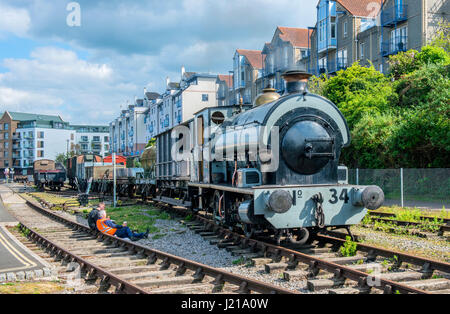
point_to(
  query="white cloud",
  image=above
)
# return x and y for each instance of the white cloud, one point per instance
(132, 44)
(13, 20)
(56, 80)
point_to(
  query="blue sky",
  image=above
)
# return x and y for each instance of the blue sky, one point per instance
(87, 73)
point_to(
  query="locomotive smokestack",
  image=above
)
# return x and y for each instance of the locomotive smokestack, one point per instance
(296, 81)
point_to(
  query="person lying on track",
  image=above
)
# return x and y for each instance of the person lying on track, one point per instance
(107, 226)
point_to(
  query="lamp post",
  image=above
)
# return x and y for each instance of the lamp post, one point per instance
(114, 179)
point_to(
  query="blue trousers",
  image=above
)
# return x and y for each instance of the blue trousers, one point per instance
(125, 232)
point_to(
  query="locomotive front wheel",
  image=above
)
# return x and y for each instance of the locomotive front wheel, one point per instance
(219, 207)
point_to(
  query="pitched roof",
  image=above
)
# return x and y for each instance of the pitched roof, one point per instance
(152, 95)
(361, 7)
(228, 79)
(254, 57)
(21, 116)
(298, 37)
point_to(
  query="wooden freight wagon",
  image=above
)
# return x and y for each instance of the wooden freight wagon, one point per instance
(98, 172)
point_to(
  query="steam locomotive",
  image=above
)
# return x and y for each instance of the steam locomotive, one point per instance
(271, 167)
(287, 182)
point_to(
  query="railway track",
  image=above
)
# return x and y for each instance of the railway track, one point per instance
(120, 266)
(339, 274)
(324, 270)
(429, 223)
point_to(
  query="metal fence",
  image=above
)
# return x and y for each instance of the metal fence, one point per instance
(422, 188)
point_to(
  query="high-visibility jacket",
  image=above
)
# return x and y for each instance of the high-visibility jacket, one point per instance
(104, 228)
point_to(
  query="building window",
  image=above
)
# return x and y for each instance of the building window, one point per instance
(345, 29)
(342, 58)
(96, 138)
(6, 126)
(40, 144)
(205, 97)
(6, 136)
(361, 50)
(84, 138)
(40, 154)
(6, 154)
(72, 136)
(40, 134)
(333, 27)
(6, 145)
(106, 139)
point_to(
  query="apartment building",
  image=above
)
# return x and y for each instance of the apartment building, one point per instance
(289, 48)
(26, 137)
(127, 132)
(247, 68)
(334, 41)
(8, 139)
(157, 113)
(91, 139)
(31, 137)
(369, 31)
(225, 90)
(401, 25)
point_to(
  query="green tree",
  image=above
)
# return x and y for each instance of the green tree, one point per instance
(427, 87)
(151, 143)
(359, 90)
(371, 142)
(403, 63)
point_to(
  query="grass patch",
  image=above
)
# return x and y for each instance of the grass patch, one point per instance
(31, 288)
(138, 217)
(349, 248)
(413, 213)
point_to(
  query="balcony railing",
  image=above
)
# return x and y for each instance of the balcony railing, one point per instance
(394, 46)
(394, 14)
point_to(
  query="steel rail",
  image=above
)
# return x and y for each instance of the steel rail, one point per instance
(426, 263)
(364, 280)
(382, 214)
(245, 284)
(107, 278)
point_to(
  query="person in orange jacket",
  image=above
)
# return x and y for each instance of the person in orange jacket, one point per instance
(107, 226)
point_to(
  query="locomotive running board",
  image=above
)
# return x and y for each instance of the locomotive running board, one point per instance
(222, 188)
(172, 201)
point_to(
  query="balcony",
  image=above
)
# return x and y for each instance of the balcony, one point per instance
(16, 137)
(16, 156)
(240, 85)
(394, 46)
(393, 15)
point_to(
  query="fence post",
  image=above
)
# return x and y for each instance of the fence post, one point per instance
(357, 176)
(401, 185)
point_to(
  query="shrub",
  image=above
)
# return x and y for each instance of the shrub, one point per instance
(359, 90)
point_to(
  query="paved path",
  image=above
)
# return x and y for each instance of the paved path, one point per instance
(16, 260)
